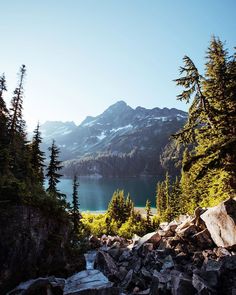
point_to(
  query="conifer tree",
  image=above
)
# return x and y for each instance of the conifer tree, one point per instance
(3, 128)
(160, 199)
(52, 172)
(75, 205)
(210, 129)
(148, 215)
(17, 124)
(37, 156)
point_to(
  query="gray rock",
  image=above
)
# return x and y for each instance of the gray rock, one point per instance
(39, 286)
(90, 282)
(105, 263)
(153, 238)
(221, 223)
(181, 284)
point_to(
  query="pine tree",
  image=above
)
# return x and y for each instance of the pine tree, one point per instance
(210, 129)
(116, 208)
(160, 199)
(52, 172)
(4, 116)
(75, 205)
(17, 124)
(129, 207)
(148, 215)
(37, 156)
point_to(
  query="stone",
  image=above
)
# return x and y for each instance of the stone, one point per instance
(201, 285)
(153, 238)
(90, 282)
(168, 263)
(105, 263)
(203, 239)
(127, 280)
(181, 284)
(94, 242)
(221, 223)
(187, 231)
(90, 258)
(32, 286)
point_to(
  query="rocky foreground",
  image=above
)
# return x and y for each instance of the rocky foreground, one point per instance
(192, 256)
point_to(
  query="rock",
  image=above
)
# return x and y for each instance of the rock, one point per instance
(43, 286)
(181, 284)
(94, 242)
(90, 258)
(153, 238)
(168, 263)
(90, 282)
(127, 280)
(201, 285)
(203, 239)
(221, 223)
(169, 230)
(187, 231)
(105, 263)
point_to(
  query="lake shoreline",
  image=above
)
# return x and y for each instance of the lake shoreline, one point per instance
(140, 209)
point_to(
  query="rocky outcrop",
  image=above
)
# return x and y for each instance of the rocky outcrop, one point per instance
(33, 244)
(221, 223)
(179, 258)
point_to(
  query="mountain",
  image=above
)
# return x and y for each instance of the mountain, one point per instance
(122, 141)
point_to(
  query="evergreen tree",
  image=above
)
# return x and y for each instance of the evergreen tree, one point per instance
(148, 215)
(17, 124)
(129, 207)
(52, 172)
(210, 129)
(4, 116)
(75, 205)
(37, 156)
(160, 199)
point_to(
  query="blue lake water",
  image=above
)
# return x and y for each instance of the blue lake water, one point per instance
(95, 194)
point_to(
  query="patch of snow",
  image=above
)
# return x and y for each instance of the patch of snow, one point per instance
(101, 136)
(181, 116)
(121, 128)
(89, 124)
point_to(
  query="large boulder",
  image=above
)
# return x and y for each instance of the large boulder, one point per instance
(89, 282)
(221, 223)
(105, 263)
(43, 286)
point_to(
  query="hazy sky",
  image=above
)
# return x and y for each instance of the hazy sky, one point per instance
(84, 55)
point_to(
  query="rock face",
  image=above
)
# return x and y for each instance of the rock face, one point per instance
(32, 245)
(221, 223)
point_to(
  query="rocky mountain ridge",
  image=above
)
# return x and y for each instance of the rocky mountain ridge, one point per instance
(121, 141)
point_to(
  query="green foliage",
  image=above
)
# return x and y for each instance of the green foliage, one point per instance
(37, 156)
(120, 208)
(209, 169)
(75, 205)
(148, 216)
(52, 172)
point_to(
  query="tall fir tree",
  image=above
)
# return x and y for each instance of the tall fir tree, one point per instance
(52, 172)
(148, 215)
(17, 124)
(211, 126)
(37, 156)
(75, 205)
(4, 117)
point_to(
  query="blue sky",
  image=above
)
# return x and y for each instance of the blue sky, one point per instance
(84, 55)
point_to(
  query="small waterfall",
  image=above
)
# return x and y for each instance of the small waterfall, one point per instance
(90, 258)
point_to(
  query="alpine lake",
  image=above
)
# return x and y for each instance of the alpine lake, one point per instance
(95, 193)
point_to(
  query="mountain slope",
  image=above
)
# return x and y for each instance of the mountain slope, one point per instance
(122, 141)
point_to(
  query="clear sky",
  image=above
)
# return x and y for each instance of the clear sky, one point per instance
(84, 55)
